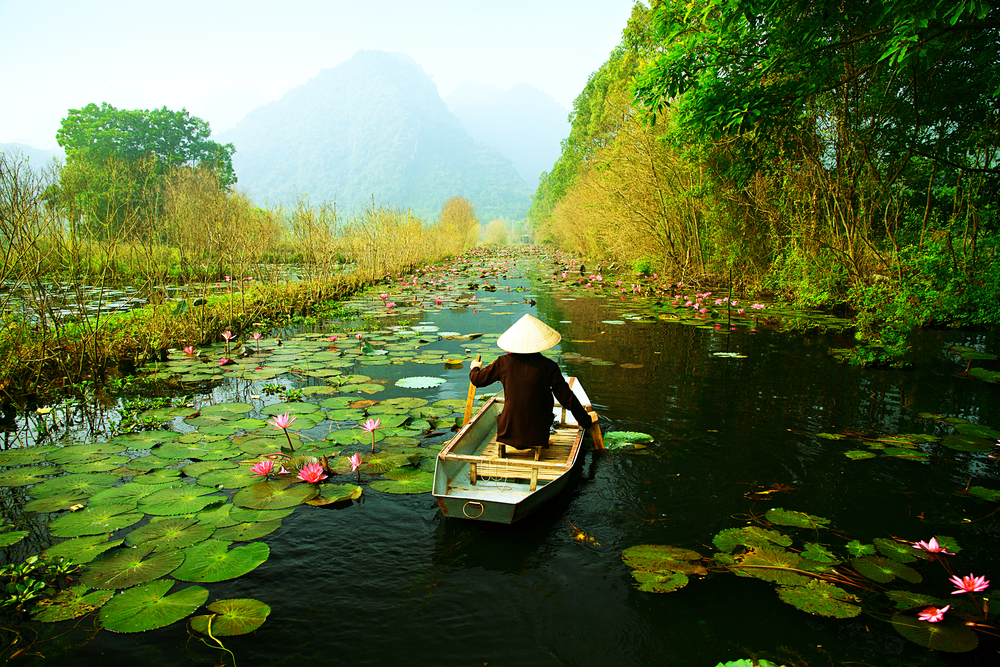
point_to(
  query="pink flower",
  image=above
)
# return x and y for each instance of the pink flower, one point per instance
(390, 304)
(355, 461)
(740, 311)
(256, 336)
(312, 473)
(757, 306)
(358, 336)
(383, 296)
(370, 425)
(932, 546)
(189, 349)
(563, 274)
(933, 614)
(282, 421)
(333, 338)
(262, 468)
(228, 335)
(439, 301)
(969, 584)
(223, 361)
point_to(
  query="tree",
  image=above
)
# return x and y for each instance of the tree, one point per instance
(117, 160)
(497, 232)
(459, 224)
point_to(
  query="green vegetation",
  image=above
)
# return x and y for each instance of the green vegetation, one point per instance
(844, 155)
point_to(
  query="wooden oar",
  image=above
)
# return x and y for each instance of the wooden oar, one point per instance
(472, 397)
(595, 433)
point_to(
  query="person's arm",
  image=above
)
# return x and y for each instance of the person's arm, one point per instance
(568, 399)
(480, 376)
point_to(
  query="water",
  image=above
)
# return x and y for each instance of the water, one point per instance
(389, 581)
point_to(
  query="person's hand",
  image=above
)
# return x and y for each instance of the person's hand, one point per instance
(593, 416)
(475, 364)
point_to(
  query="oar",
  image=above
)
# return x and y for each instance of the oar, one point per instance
(595, 433)
(471, 398)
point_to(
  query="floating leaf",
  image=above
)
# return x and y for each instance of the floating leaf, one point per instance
(784, 517)
(749, 536)
(25, 476)
(149, 607)
(130, 567)
(243, 532)
(237, 616)
(657, 582)
(884, 570)
(618, 439)
(902, 552)
(831, 436)
(819, 553)
(54, 503)
(984, 493)
(968, 443)
(820, 597)
(663, 558)
(909, 600)
(772, 565)
(242, 514)
(213, 560)
(126, 493)
(229, 478)
(858, 454)
(13, 537)
(950, 635)
(170, 534)
(70, 603)
(295, 408)
(216, 515)
(420, 382)
(405, 480)
(82, 549)
(273, 495)
(381, 463)
(95, 520)
(335, 493)
(184, 499)
(855, 548)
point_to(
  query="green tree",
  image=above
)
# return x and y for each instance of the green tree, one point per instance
(117, 161)
(459, 224)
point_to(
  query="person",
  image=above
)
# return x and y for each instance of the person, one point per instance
(529, 383)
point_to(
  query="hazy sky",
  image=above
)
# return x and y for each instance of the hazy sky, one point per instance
(219, 59)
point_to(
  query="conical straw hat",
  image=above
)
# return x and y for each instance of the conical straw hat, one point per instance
(527, 335)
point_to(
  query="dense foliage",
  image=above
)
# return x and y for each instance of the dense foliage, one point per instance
(835, 153)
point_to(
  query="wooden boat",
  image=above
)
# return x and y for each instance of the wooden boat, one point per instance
(472, 481)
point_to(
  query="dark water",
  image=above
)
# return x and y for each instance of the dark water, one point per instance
(389, 581)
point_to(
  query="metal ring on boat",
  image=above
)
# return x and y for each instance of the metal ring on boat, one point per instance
(465, 510)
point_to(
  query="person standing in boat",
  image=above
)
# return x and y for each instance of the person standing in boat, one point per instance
(529, 382)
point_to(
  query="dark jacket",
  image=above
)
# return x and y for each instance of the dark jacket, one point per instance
(529, 381)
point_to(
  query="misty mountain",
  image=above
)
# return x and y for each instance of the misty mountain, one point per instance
(373, 125)
(38, 158)
(523, 123)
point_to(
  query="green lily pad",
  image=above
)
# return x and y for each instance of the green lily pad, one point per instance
(125, 493)
(968, 443)
(820, 597)
(622, 439)
(82, 549)
(295, 408)
(856, 548)
(772, 565)
(216, 515)
(884, 570)
(909, 600)
(405, 480)
(131, 567)
(663, 559)
(335, 493)
(55, 503)
(242, 514)
(243, 532)
(985, 375)
(902, 552)
(659, 582)
(170, 534)
(858, 454)
(25, 476)
(420, 382)
(202, 467)
(273, 495)
(230, 478)
(227, 411)
(13, 537)
(950, 635)
(95, 520)
(749, 536)
(70, 603)
(213, 560)
(986, 494)
(784, 517)
(238, 616)
(820, 554)
(383, 462)
(149, 607)
(168, 476)
(184, 499)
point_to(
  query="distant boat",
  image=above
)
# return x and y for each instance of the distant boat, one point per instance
(472, 481)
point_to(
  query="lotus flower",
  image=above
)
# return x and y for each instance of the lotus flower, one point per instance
(262, 468)
(223, 361)
(355, 461)
(283, 422)
(369, 427)
(312, 472)
(228, 335)
(256, 337)
(333, 338)
(358, 336)
(757, 306)
(932, 547)
(390, 304)
(933, 614)
(969, 584)
(189, 349)
(439, 301)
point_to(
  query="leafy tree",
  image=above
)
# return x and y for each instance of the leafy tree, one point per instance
(117, 159)
(459, 224)
(497, 232)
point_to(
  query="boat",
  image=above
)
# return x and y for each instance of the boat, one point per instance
(472, 481)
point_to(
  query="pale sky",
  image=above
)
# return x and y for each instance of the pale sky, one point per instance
(221, 58)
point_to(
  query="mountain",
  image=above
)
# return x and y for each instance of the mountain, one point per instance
(38, 158)
(372, 126)
(523, 123)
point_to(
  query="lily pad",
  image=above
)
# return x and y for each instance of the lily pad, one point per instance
(335, 493)
(95, 520)
(242, 514)
(213, 560)
(125, 493)
(784, 517)
(149, 607)
(82, 549)
(25, 476)
(237, 616)
(968, 443)
(950, 635)
(13, 537)
(858, 454)
(55, 503)
(184, 499)
(856, 548)
(909, 600)
(170, 534)
(659, 582)
(902, 552)
(663, 559)
(772, 565)
(273, 495)
(621, 439)
(420, 382)
(984, 493)
(251, 530)
(749, 536)
(820, 597)
(70, 603)
(884, 570)
(131, 567)
(405, 480)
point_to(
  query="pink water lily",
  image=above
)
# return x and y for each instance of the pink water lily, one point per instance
(256, 335)
(283, 422)
(228, 335)
(358, 336)
(333, 338)
(933, 614)
(355, 461)
(369, 427)
(931, 546)
(439, 301)
(969, 584)
(262, 468)
(224, 360)
(312, 472)
(757, 306)
(189, 349)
